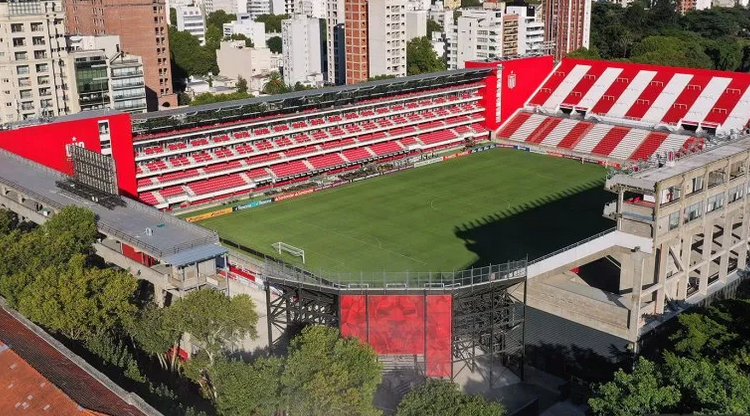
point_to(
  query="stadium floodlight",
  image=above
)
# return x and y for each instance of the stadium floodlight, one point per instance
(295, 251)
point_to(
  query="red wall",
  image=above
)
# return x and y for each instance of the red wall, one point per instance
(518, 79)
(400, 324)
(46, 144)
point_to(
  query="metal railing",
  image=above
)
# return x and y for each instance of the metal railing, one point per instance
(574, 245)
(396, 280)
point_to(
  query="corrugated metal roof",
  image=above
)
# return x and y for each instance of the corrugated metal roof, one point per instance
(195, 254)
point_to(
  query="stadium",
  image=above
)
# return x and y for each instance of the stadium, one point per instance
(521, 210)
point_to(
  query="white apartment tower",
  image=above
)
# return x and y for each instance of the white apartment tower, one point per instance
(302, 41)
(32, 47)
(387, 37)
(190, 19)
(245, 25)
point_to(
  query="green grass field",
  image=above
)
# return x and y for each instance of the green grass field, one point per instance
(485, 208)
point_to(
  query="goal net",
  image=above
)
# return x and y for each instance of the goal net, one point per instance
(295, 251)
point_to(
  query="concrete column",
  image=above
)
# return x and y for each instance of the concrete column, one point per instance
(159, 296)
(726, 239)
(708, 238)
(742, 250)
(661, 277)
(687, 241)
(635, 298)
(620, 202)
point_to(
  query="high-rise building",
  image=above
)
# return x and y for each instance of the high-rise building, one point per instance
(492, 32)
(229, 6)
(386, 34)
(31, 50)
(236, 60)
(142, 27)
(190, 19)
(100, 75)
(303, 48)
(335, 42)
(567, 25)
(416, 24)
(357, 48)
(256, 8)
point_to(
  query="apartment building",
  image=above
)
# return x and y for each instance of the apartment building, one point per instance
(142, 27)
(229, 6)
(568, 25)
(191, 19)
(492, 32)
(303, 48)
(357, 47)
(256, 8)
(102, 76)
(416, 24)
(245, 25)
(387, 37)
(684, 6)
(31, 52)
(335, 42)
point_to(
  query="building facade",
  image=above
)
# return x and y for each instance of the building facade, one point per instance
(190, 19)
(245, 25)
(303, 48)
(568, 25)
(235, 60)
(357, 48)
(142, 27)
(30, 54)
(387, 38)
(102, 76)
(684, 6)
(416, 24)
(335, 42)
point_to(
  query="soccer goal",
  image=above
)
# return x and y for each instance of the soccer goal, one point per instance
(295, 251)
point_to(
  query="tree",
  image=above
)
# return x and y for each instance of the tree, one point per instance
(8, 221)
(274, 44)
(670, 51)
(470, 3)
(329, 375)
(421, 58)
(248, 389)
(275, 84)
(272, 21)
(172, 16)
(433, 26)
(708, 387)
(218, 18)
(239, 36)
(214, 320)
(584, 53)
(188, 56)
(77, 301)
(241, 85)
(210, 98)
(643, 392)
(440, 397)
(155, 335)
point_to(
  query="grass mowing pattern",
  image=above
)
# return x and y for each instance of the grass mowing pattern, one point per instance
(485, 208)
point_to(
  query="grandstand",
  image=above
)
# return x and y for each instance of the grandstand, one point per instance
(208, 158)
(621, 113)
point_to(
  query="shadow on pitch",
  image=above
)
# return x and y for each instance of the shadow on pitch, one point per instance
(539, 227)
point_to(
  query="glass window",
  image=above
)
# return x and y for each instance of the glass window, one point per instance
(21, 56)
(693, 211)
(16, 27)
(715, 202)
(37, 27)
(22, 70)
(674, 220)
(19, 42)
(42, 68)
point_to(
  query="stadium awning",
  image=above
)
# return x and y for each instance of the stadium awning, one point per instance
(195, 255)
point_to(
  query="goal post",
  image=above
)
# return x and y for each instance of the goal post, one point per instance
(295, 251)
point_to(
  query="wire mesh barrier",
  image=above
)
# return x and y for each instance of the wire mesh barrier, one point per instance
(289, 273)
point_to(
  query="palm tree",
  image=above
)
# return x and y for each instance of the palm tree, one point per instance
(275, 84)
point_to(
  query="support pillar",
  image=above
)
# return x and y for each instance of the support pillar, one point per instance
(661, 277)
(637, 257)
(726, 241)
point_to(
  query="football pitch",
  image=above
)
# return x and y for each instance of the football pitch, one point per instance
(481, 209)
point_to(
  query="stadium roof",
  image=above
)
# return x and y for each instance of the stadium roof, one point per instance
(692, 162)
(143, 227)
(311, 93)
(42, 377)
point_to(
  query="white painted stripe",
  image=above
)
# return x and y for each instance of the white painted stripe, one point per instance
(631, 94)
(668, 96)
(592, 138)
(527, 128)
(602, 84)
(738, 116)
(563, 90)
(672, 142)
(708, 98)
(629, 143)
(559, 132)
